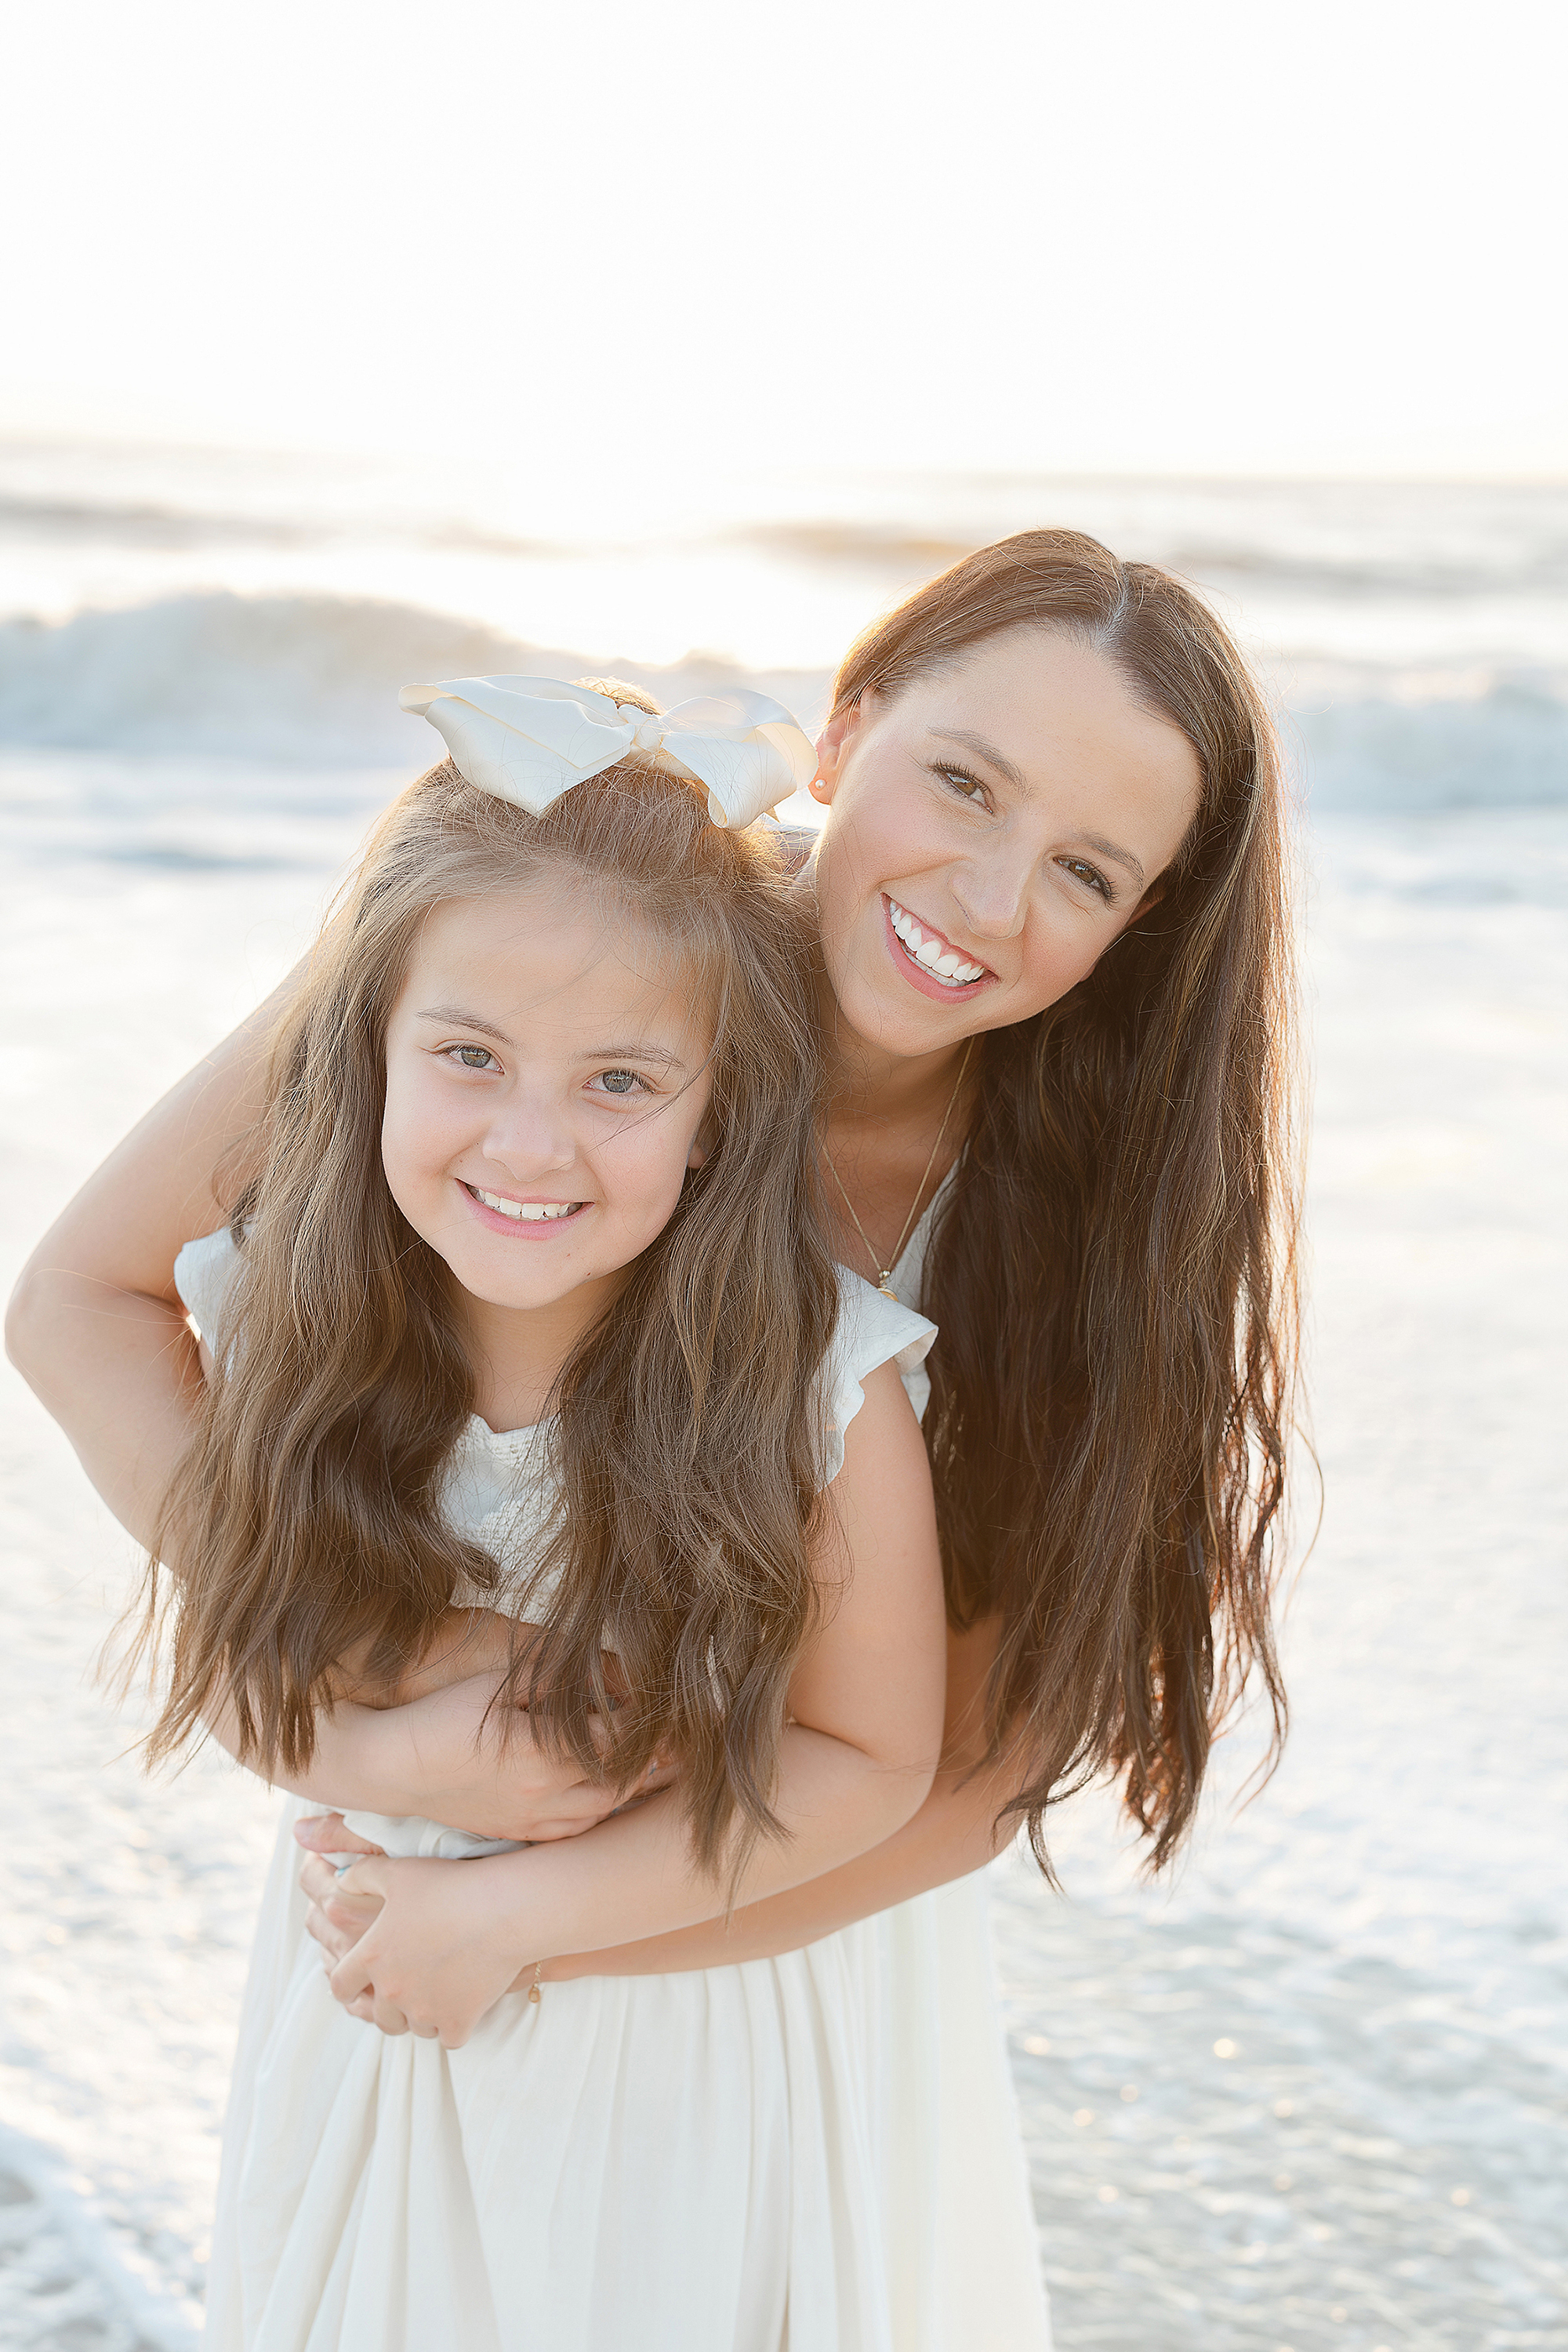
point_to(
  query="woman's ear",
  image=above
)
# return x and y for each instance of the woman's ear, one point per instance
(833, 745)
(1151, 898)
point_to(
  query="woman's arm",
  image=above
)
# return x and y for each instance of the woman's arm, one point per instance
(953, 1833)
(95, 1325)
(856, 1762)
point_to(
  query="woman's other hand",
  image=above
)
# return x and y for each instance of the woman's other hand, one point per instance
(330, 1834)
(438, 1953)
(337, 1920)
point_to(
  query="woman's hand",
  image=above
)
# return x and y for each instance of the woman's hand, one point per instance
(437, 1954)
(483, 1771)
(460, 1646)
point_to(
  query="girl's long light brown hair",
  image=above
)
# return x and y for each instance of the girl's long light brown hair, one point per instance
(1114, 1270)
(304, 1524)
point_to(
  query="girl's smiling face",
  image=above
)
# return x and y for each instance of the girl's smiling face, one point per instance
(546, 1078)
(993, 828)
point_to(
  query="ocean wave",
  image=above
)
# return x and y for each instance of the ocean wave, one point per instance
(1228, 561)
(253, 678)
(140, 523)
(67, 2277)
(313, 680)
(1506, 748)
(153, 525)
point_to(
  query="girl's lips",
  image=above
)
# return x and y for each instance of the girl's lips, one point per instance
(530, 1229)
(916, 974)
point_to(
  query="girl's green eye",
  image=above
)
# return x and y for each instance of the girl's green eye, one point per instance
(618, 1082)
(475, 1058)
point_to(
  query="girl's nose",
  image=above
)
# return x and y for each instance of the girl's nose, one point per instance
(531, 1135)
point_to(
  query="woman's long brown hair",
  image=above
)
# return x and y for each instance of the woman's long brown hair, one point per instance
(1114, 1270)
(305, 1522)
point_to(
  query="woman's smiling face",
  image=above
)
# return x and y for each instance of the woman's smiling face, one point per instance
(993, 828)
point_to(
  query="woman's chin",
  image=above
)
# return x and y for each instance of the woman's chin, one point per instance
(910, 1029)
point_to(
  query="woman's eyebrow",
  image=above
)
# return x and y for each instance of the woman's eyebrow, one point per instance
(1097, 841)
(983, 750)
(1006, 767)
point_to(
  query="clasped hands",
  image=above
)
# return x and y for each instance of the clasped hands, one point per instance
(414, 1945)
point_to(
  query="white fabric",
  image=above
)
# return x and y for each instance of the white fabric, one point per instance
(818, 2153)
(529, 740)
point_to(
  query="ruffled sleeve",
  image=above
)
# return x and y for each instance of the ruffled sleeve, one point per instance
(872, 1329)
(203, 1272)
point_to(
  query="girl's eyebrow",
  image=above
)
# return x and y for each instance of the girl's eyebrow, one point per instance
(457, 1016)
(641, 1051)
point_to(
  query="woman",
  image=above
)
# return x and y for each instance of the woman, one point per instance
(1055, 960)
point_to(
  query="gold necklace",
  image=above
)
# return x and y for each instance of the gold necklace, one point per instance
(885, 1273)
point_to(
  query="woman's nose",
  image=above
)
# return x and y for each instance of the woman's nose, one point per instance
(992, 892)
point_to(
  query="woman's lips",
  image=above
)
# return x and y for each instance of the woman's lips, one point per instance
(943, 988)
(532, 1221)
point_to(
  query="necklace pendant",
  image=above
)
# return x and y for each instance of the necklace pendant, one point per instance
(886, 1286)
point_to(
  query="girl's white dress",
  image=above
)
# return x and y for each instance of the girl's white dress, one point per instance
(818, 2153)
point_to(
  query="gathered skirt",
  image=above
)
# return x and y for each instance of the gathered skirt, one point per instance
(818, 2153)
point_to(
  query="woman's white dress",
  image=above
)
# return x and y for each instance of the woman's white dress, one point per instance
(818, 2153)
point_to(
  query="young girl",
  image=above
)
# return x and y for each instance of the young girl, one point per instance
(526, 1317)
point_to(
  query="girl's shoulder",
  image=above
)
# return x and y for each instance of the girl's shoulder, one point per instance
(872, 1329)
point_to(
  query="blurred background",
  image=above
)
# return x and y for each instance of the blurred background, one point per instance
(348, 346)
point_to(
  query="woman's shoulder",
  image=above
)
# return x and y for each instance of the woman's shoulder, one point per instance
(872, 1329)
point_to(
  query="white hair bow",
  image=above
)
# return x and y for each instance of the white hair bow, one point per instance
(529, 740)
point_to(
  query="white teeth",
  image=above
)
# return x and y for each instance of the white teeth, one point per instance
(531, 1213)
(945, 964)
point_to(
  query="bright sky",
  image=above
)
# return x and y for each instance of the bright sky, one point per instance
(990, 233)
